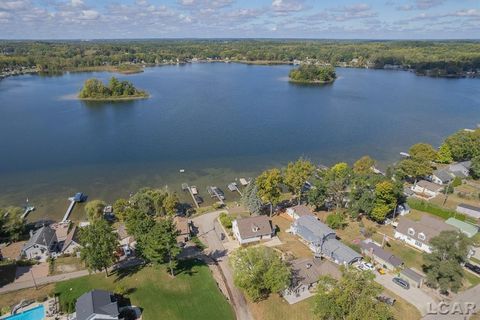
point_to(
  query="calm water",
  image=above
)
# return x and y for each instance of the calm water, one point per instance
(216, 121)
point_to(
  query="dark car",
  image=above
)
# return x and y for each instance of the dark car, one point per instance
(387, 300)
(472, 267)
(402, 283)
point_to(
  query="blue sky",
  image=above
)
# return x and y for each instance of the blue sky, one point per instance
(341, 19)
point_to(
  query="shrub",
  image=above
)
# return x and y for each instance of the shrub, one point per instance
(218, 205)
(434, 209)
(121, 290)
(225, 220)
(456, 182)
(336, 221)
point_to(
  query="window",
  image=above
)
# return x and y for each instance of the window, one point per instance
(418, 244)
(421, 236)
(411, 231)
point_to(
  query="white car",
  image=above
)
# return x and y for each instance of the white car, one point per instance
(365, 266)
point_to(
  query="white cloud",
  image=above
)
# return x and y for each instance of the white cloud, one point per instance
(287, 5)
(89, 15)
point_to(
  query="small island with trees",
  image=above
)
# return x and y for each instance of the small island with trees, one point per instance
(96, 90)
(313, 74)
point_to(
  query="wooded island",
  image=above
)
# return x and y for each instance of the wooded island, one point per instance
(309, 73)
(94, 89)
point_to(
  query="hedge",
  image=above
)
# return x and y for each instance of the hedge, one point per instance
(431, 208)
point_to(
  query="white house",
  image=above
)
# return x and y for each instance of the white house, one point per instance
(442, 176)
(469, 210)
(299, 211)
(426, 189)
(41, 245)
(252, 229)
(419, 233)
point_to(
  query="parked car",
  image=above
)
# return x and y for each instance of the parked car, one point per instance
(401, 282)
(365, 266)
(381, 271)
(472, 267)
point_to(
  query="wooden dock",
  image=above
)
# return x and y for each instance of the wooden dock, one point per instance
(234, 187)
(28, 209)
(186, 187)
(216, 193)
(69, 209)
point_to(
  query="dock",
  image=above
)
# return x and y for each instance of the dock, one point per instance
(78, 197)
(234, 187)
(28, 209)
(215, 192)
(193, 193)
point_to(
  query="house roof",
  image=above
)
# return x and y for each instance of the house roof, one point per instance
(429, 185)
(413, 275)
(443, 175)
(72, 237)
(98, 302)
(468, 229)
(468, 206)
(427, 225)
(336, 250)
(255, 226)
(459, 166)
(312, 230)
(379, 252)
(308, 270)
(302, 210)
(43, 236)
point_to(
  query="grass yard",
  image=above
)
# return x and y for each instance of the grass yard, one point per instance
(192, 294)
(12, 298)
(291, 244)
(402, 309)
(470, 280)
(67, 264)
(411, 257)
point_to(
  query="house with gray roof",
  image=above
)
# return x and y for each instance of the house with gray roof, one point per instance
(460, 169)
(72, 243)
(322, 240)
(97, 305)
(380, 256)
(469, 210)
(426, 189)
(305, 276)
(298, 211)
(41, 245)
(442, 176)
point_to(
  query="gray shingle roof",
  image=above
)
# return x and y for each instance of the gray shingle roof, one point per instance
(409, 273)
(443, 175)
(43, 236)
(312, 230)
(381, 253)
(308, 270)
(337, 251)
(255, 226)
(467, 206)
(98, 302)
(427, 225)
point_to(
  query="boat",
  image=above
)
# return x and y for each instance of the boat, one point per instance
(244, 182)
(79, 197)
(215, 192)
(182, 170)
(232, 186)
(198, 199)
(194, 190)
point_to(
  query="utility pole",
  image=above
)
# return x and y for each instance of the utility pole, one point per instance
(33, 278)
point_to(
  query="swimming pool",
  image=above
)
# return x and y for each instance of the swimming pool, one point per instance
(37, 313)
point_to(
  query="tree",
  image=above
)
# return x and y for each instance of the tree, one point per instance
(12, 223)
(269, 187)
(94, 210)
(443, 265)
(318, 194)
(475, 168)
(296, 175)
(120, 208)
(464, 145)
(353, 297)
(363, 165)
(337, 180)
(250, 198)
(138, 223)
(336, 220)
(171, 203)
(413, 168)
(150, 201)
(159, 245)
(444, 155)
(259, 271)
(423, 152)
(385, 200)
(98, 246)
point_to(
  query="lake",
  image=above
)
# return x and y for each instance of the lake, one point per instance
(216, 121)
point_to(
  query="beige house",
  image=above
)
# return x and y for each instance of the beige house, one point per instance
(426, 190)
(299, 211)
(252, 229)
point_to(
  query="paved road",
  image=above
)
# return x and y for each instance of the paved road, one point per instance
(18, 285)
(414, 296)
(458, 309)
(209, 231)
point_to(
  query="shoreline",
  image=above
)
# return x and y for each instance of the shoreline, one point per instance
(318, 82)
(115, 99)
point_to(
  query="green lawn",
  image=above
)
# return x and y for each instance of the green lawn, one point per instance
(192, 294)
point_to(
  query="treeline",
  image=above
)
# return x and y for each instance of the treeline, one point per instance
(436, 58)
(310, 73)
(95, 89)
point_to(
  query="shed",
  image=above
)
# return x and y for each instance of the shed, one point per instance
(469, 210)
(413, 277)
(468, 229)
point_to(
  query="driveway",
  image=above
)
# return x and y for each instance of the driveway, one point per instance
(414, 296)
(209, 232)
